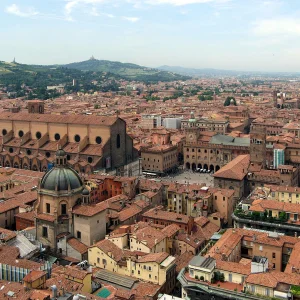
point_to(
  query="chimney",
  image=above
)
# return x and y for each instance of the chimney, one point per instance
(54, 292)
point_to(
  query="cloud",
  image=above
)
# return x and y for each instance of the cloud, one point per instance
(94, 12)
(131, 19)
(275, 27)
(14, 9)
(183, 2)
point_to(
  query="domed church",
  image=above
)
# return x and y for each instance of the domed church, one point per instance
(59, 191)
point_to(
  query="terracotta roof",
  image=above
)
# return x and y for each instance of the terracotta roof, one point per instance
(170, 230)
(7, 234)
(77, 245)
(234, 267)
(158, 213)
(237, 169)
(34, 275)
(149, 236)
(64, 119)
(26, 215)
(153, 257)
(46, 217)
(89, 210)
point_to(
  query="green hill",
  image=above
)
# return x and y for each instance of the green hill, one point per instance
(126, 70)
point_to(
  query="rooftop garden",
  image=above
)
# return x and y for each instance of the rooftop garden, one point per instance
(261, 216)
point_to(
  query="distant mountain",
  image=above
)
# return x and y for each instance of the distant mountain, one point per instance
(199, 72)
(126, 70)
(208, 72)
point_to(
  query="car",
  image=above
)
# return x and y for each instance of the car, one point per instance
(198, 170)
(204, 170)
(201, 170)
(208, 171)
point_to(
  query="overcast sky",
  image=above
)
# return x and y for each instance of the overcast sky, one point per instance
(254, 35)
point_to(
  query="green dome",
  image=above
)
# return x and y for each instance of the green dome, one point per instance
(60, 178)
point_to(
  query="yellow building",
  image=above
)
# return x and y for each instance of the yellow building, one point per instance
(157, 268)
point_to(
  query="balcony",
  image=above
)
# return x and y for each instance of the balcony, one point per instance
(225, 290)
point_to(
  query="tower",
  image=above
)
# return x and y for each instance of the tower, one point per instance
(275, 98)
(258, 152)
(36, 106)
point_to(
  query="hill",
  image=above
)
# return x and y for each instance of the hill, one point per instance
(32, 80)
(126, 70)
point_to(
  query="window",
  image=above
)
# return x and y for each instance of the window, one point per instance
(90, 159)
(274, 266)
(149, 275)
(21, 133)
(104, 261)
(260, 248)
(38, 135)
(77, 138)
(139, 272)
(45, 232)
(4, 132)
(252, 288)
(64, 209)
(57, 136)
(79, 234)
(48, 208)
(273, 255)
(11, 150)
(98, 140)
(118, 141)
(98, 260)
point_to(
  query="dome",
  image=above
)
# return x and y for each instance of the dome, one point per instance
(85, 192)
(60, 153)
(59, 179)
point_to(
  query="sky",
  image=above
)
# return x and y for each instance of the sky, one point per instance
(248, 35)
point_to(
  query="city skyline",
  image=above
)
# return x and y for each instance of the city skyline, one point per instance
(220, 34)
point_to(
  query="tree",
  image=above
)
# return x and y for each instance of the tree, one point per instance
(228, 101)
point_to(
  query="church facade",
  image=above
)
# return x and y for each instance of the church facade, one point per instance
(30, 140)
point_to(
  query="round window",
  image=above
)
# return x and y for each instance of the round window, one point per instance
(4, 132)
(90, 159)
(21, 133)
(11, 150)
(38, 135)
(28, 152)
(98, 140)
(57, 136)
(47, 154)
(77, 138)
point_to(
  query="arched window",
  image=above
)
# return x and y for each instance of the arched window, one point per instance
(40, 109)
(4, 132)
(57, 136)
(118, 141)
